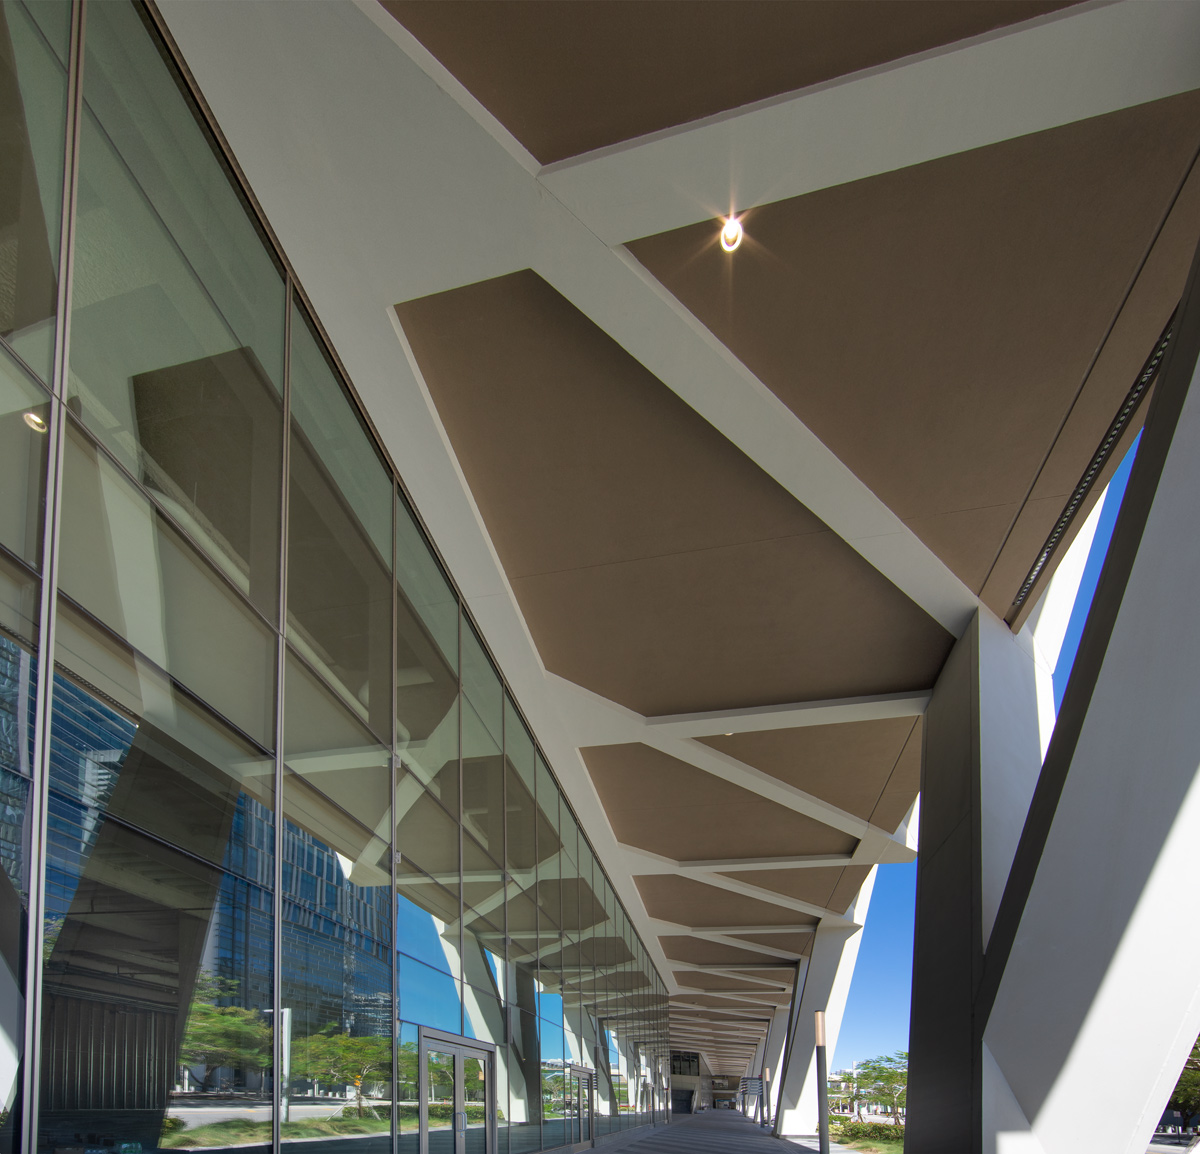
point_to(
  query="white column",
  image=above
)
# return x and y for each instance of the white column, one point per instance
(826, 985)
(1100, 1002)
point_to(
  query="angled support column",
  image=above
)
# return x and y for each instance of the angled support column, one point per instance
(1026, 985)
(825, 986)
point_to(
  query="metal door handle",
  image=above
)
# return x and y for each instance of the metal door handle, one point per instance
(463, 1115)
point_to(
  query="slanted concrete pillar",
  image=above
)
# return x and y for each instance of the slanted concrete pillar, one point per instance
(1080, 964)
(824, 986)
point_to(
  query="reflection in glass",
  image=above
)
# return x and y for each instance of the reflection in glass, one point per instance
(453, 876)
(18, 688)
(339, 540)
(336, 986)
(525, 1084)
(407, 1086)
(425, 588)
(177, 311)
(122, 561)
(33, 103)
(434, 996)
(24, 424)
(441, 1104)
(158, 930)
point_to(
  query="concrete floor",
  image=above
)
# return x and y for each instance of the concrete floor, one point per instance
(715, 1132)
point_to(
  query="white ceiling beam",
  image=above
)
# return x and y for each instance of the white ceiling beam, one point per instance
(1014, 81)
(880, 707)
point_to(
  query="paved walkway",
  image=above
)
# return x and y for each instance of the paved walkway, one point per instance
(714, 1132)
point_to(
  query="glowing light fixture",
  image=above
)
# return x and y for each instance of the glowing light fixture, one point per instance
(36, 423)
(731, 233)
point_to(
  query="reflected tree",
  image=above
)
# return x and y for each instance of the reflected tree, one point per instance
(337, 1057)
(217, 1036)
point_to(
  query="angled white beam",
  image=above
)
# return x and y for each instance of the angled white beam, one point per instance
(734, 865)
(600, 721)
(1023, 79)
(879, 707)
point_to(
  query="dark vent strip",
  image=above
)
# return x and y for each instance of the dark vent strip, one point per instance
(1120, 423)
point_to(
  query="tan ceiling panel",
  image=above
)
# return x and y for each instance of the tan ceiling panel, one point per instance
(904, 784)
(691, 903)
(690, 633)
(833, 888)
(627, 525)
(698, 951)
(1137, 329)
(847, 765)
(568, 78)
(661, 804)
(933, 325)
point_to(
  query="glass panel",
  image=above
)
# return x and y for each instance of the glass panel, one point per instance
(337, 923)
(476, 1094)
(483, 954)
(24, 417)
(158, 952)
(424, 587)
(554, 1088)
(428, 877)
(33, 105)
(483, 783)
(442, 1102)
(18, 689)
(483, 888)
(524, 1085)
(521, 813)
(429, 997)
(123, 562)
(339, 540)
(407, 1087)
(481, 683)
(426, 701)
(177, 311)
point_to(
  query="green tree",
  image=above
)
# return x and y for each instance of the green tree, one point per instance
(343, 1060)
(1186, 1096)
(217, 1036)
(885, 1079)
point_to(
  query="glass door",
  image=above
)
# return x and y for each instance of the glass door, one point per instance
(457, 1095)
(581, 1098)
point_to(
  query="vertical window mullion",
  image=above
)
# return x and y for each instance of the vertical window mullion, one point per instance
(278, 1088)
(39, 794)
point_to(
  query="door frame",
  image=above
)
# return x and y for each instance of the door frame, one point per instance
(585, 1074)
(443, 1042)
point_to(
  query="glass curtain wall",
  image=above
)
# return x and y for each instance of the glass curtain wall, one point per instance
(267, 808)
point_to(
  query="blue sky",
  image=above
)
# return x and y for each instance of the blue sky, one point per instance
(876, 1018)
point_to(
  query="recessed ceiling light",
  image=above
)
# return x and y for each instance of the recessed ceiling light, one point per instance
(36, 423)
(731, 233)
